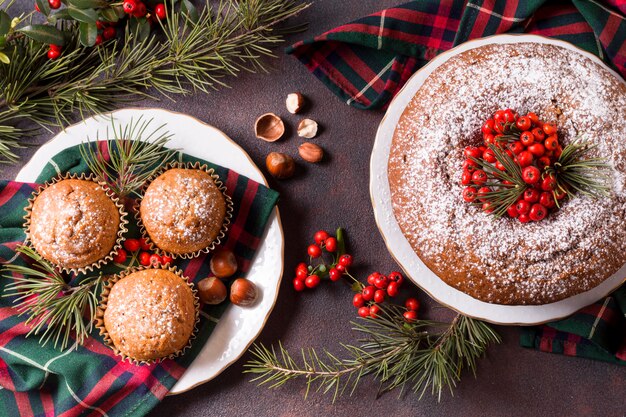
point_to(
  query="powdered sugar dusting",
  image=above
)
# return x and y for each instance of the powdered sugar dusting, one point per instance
(502, 260)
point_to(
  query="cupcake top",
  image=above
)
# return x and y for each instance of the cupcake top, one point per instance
(74, 223)
(183, 210)
(150, 314)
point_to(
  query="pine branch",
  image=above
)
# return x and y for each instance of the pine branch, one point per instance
(426, 355)
(190, 55)
(56, 310)
(138, 152)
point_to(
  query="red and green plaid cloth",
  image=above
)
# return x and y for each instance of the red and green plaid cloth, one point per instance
(92, 381)
(367, 61)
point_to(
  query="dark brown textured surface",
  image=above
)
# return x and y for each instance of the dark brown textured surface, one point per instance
(510, 381)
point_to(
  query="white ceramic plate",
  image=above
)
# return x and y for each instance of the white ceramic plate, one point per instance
(400, 248)
(238, 327)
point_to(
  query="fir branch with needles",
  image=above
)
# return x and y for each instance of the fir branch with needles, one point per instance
(425, 356)
(57, 311)
(138, 153)
(189, 52)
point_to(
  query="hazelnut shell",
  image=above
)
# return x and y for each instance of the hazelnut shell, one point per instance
(269, 127)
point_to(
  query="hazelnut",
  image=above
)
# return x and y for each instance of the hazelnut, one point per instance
(294, 102)
(307, 128)
(269, 127)
(223, 263)
(281, 166)
(310, 152)
(211, 290)
(243, 292)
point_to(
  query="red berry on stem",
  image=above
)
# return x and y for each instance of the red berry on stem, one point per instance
(144, 258)
(523, 123)
(381, 282)
(543, 162)
(537, 149)
(488, 207)
(539, 134)
(345, 260)
(512, 211)
(488, 126)
(551, 143)
(371, 278)
(379, 296)
(466, 178)
(412, 304)
(132, 245)
(358, 301)
(144, 244)
(312, 281)
(129, 6)
(531, 195)
(368, 293)
(298, 284)
(481, 194)
(140, 10)
(479, 177)
(547, 200)
(410, 315)
(490, 139)
(549, 129)
(54, 4)
(120, 256)
(302, 274)
(109, 33)
(537, 212)
(160, 11)
(523, 218)
(470, 165)
(374, 310)
(155, 259)
(524, 159)
(500, 166)
(531, 175)
(314, 251)
(471, 152)
(489, 156)
(364, 312)
(516, 147)
(334, 274)
(558, 151)
(533, 117)
(397, 277)
(509, 116)
(37, 7)
(548, 183)
(469, 194)
(392, 288)
(166, 259)
(320, 236)
(53, 54)
(527, 138)
(330, 244)
(522, 207)
(340, 268)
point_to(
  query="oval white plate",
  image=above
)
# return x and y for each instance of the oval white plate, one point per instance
(400, 248)
(238, 327)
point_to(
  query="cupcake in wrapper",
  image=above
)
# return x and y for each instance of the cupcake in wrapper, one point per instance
(184, 210)
(148, 314)
(75, 222)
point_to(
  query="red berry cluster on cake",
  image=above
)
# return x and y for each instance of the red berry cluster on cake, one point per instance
(506, 126)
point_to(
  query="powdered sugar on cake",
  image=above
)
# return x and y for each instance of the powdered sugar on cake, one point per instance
(502, 260)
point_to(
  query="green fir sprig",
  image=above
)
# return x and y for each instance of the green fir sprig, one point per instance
(423, 356)
(57, 311)
(189, 51)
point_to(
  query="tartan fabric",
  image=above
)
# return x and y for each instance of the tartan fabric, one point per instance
(597, 332)
(92, 381)
(367, 61)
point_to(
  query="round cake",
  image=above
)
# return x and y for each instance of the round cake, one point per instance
(183, 210)
(500, 260)
(74, 223)
(150, 314)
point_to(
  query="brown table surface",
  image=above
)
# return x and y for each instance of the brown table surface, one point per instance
(510, 381)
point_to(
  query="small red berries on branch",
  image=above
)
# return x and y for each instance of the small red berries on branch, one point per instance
(333, 263)
(140, 251)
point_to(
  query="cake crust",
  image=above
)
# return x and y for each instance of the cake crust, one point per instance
(74, 223)
(183, 210)
(502, 260)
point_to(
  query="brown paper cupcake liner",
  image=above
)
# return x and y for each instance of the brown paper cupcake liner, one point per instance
(102, 306)
(120, 233)
(225, 224)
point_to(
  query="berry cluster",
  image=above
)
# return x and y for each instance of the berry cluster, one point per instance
(533, 146)
(144, 257)
(137, 8)
(310, 276)
(380, 287)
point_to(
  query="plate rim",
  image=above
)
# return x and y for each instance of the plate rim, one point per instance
(378, 217)
(275, 212)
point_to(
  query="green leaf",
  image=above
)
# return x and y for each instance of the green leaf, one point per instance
(60, 14)
(83, 15)
(88, 33)
(4, 58)
(5, 22)
(109, 14)
(187, 8)
(86, 4)
(44, 33)
(44, 6)
(140, 28)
